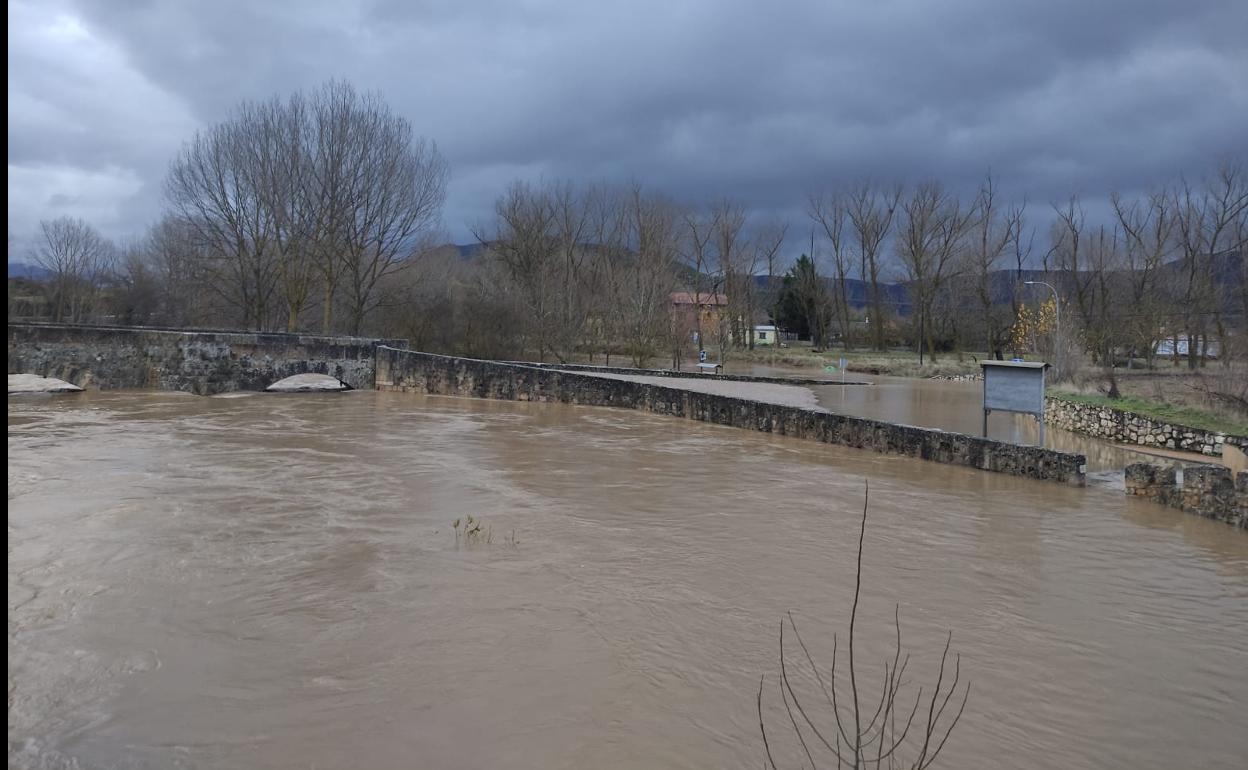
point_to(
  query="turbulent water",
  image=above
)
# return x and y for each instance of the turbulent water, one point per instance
(274, 581)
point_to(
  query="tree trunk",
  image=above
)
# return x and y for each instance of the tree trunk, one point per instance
(327, 312)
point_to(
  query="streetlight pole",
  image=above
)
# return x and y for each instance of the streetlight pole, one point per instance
(1057, 320)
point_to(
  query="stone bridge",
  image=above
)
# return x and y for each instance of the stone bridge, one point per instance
(197, 361)
(406, 370)
(210, 361)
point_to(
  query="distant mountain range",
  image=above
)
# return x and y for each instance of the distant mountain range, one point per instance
(1226, 268)
(896, 295)
(29, 271)
(1002, 283)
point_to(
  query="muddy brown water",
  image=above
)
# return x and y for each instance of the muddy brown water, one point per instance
(273, 581)
(958, 407)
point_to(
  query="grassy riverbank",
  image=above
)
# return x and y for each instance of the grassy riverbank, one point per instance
(1163, 412)
(898, 363)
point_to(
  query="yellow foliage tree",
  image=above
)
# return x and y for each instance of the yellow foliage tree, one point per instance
(1033, 325)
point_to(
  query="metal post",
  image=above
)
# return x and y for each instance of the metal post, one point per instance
(1040, 416)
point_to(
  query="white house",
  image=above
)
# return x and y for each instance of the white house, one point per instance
(1166, 346)
(766, 334)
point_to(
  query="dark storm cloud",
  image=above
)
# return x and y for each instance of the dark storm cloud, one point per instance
(760, 102)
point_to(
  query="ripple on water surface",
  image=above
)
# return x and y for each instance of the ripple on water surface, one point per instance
(275, 582)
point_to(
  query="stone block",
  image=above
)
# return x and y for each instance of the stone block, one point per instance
(1206, 478)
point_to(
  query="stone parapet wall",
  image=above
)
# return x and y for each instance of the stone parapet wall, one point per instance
(674, 373)
(203, 362)
(403, 370)
(1205, 490)
(1129, 428)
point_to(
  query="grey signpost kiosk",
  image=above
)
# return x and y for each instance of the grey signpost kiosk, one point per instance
(1014, 386)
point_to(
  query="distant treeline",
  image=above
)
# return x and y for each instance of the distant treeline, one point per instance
(321, 211)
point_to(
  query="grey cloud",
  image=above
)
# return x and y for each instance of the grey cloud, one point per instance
(761, 102)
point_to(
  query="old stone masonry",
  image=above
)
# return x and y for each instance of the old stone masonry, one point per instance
(1128, 428)
(1205, 490)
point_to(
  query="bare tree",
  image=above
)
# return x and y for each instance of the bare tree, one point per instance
(736, 266)
(282, 193)
(1194, 299)
(606, 269)
(523, 243)
(933, 226)
(539, 239)
(1239, 236)
(330, 186)
(419, 303)
(489, 315)
(78, 259)
(1067, 258)
(702, 276)
(133, 291)
(1104, 331)
(831, 212)
(1229, 192)
(645, 281)
(889, 731)
(212, 189)
(396, 188)
(178, 261)
(764, 247)
(1208, 221)
(1147, 229)
(993, 233)
(871, 212)
(277, 139)
(770, 239)
(574, 213)
(1021, 249)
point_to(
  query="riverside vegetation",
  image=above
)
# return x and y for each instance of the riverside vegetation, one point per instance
(322, 210)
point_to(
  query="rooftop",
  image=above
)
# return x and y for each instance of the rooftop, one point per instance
(703, 298)
(1016, 364)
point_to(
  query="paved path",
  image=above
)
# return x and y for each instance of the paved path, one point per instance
(784, 395)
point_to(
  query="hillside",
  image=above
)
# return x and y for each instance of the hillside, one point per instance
(28, 271)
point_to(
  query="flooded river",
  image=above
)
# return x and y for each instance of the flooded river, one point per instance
(958, 407)
(274, 581)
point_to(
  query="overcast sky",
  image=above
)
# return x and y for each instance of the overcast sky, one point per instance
(700, 99)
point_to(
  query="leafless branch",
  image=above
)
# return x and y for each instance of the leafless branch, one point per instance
(866, 736)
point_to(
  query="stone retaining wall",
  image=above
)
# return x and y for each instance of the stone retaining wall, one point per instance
(1129, 428)
(1206, 490)
(203, 362)
(404, 370)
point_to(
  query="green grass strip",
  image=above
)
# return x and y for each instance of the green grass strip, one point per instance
(1176, 415)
